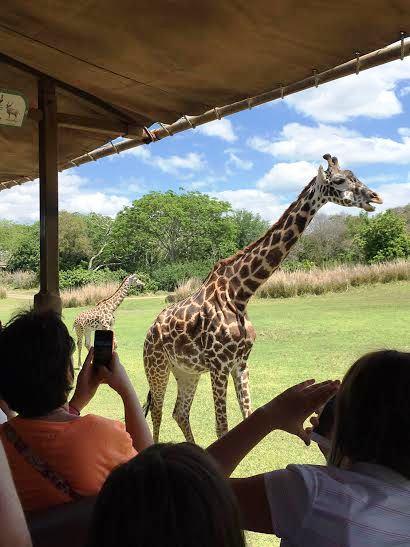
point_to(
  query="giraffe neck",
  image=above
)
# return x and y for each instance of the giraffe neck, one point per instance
(246, 271)
(112, 303)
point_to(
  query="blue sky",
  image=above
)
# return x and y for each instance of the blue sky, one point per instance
(259, 159)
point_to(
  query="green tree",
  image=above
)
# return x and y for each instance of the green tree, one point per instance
(99, 228)
(11, 236)
(383, 237)
(164, 227)
(75, 244)
(249, 227)
(26, 255)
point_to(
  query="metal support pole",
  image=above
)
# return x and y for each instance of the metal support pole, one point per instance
(49, 297)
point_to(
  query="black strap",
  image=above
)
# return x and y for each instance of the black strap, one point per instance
(39, 465)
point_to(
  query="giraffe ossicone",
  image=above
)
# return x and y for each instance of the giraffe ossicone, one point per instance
(210, 331)
(101, 316)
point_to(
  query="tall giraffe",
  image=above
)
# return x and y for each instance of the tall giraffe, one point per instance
(101, 316)
(210, 331)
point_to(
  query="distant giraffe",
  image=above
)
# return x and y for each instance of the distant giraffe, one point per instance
(101, 317)
(210, 331)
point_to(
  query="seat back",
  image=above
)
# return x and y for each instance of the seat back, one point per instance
(65, 525)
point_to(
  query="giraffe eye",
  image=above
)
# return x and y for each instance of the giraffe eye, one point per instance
(338, 179)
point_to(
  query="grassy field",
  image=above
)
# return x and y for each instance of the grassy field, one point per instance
(310, 336)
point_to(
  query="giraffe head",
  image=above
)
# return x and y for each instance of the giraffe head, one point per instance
(132, 280)
(343, 187)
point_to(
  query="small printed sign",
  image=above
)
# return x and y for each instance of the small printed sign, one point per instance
(13, 108)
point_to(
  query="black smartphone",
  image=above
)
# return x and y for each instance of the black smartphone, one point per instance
(324, 427)
(103, 348)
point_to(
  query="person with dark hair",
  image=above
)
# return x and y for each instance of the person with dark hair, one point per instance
(169, 495)
(362, 496)
(55, 454)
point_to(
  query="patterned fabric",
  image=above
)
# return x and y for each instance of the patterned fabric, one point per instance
(39, 465)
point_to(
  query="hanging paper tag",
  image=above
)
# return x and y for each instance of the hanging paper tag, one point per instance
(13, 108)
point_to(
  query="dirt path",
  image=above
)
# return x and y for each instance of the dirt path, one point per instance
(18, 295)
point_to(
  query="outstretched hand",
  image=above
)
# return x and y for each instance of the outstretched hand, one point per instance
(291, 408)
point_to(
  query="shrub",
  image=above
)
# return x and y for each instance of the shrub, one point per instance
(80, 277)
(297, 265)
(170, 276)
(20, 279)
(384, 237)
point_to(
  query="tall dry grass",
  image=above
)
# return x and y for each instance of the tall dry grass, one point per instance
(341, 278)
(19, 279)
(317, 281)
(184, 289)
(87, 295)
(3, 293)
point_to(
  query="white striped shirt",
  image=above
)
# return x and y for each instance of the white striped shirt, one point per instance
(324, 506)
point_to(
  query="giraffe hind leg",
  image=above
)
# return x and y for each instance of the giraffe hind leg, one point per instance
(187, 384)
(240, 376)
(157, 372)
(219, 382)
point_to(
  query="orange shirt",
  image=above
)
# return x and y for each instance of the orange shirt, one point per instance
(83, 451)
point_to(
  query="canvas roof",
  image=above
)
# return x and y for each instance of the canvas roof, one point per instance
(143, 62)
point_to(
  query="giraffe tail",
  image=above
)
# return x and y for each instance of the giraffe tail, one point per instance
(147, 406)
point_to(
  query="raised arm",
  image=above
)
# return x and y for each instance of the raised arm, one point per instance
(116, 377)
(135, 422)
(288, 412)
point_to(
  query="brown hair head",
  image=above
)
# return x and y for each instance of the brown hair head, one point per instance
(373, 412)
(169, 495)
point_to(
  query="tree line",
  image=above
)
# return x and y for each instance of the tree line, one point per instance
(168, 236)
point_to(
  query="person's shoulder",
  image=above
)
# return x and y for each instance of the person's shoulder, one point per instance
(319, 479)
(92, 422)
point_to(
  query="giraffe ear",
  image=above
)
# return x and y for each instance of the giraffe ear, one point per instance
(321, 177)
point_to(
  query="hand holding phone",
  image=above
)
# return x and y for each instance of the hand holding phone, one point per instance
(103, 348)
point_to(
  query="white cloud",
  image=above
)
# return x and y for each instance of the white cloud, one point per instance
(141, 152)
(21, 203)
(287, 176)
(222, 129)
(237, 162)
(372, 93)
(303, 142)
(264, 203)
(394, 195)
(172, 164)
(404, 131)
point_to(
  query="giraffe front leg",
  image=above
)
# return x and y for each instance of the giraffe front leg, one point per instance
(240, 376)
(219, 382)
(187, 384)
(87, 337)
(114, 339)
(79, 333)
